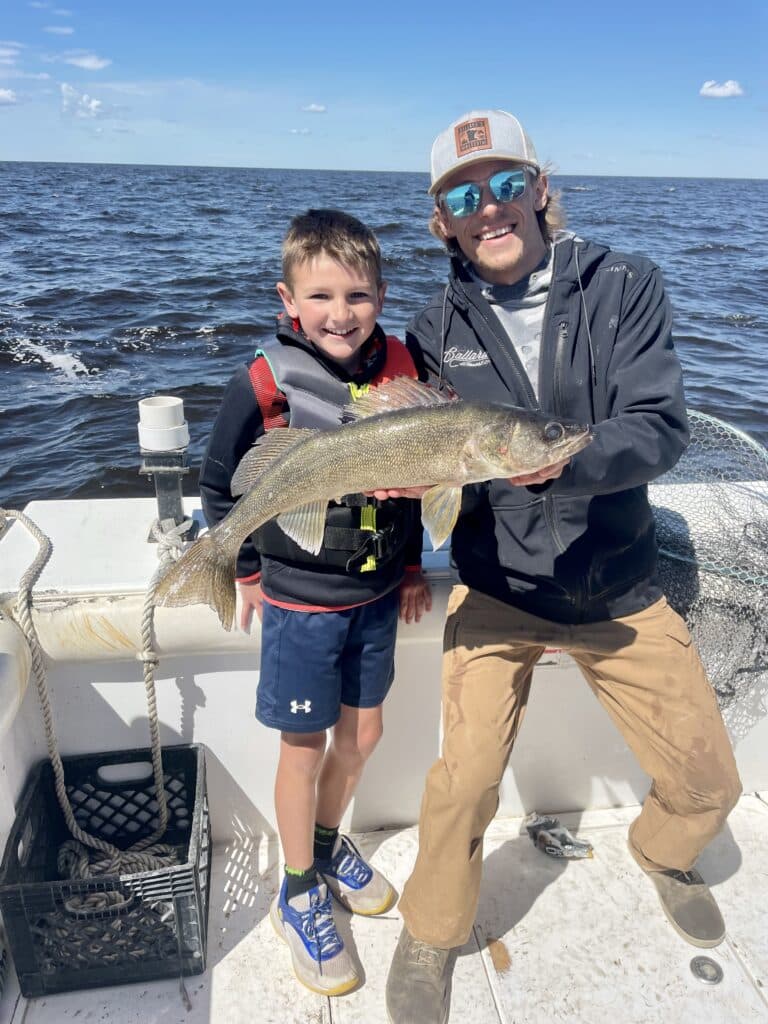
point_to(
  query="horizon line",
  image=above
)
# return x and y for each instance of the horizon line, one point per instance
(347, 170)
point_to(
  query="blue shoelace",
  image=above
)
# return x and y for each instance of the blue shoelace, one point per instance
(319, 928)
(349, 866)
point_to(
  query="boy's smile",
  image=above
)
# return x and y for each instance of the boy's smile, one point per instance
(336, 305)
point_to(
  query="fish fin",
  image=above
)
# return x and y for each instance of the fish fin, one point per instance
(268, 449)
(398, 393)
(305, 525)
(439, 511)
(204, 574)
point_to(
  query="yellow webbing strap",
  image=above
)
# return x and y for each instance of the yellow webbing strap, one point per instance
(368, 522)
(367, 512)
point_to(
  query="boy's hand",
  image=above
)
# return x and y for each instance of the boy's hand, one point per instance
(252, 601)
(540, 476)
(415, 597)
(524, 480)
(404, 492)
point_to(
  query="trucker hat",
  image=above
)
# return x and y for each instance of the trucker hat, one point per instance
(480, 135)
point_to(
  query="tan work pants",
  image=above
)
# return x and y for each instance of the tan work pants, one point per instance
(645, 672)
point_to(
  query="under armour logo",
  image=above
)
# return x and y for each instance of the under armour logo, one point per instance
(306, 707)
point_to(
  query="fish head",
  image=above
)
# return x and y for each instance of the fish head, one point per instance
(517, 441)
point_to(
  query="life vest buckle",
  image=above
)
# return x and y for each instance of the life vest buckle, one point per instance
(378, 544)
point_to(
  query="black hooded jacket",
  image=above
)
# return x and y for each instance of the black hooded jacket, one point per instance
(580, 548)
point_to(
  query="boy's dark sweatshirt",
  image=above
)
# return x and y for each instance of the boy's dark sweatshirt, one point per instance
(240, 422)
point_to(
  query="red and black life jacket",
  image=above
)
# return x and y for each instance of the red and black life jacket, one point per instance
(295, 388)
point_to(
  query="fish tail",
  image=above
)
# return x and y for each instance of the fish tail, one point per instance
(205, 574)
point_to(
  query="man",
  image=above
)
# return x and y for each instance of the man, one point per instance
(538, 317)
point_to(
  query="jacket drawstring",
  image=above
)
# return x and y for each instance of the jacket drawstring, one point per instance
(442, 339)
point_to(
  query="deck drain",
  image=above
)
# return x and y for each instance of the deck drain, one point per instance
(706, 970)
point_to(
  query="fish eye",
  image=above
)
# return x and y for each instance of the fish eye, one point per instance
(553, 431)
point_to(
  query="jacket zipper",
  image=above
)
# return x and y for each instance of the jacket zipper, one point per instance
(549, 510)
(557, 377)
(578, 595)
(549, 517)
(557, 359)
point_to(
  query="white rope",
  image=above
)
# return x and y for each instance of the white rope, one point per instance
(74, 859)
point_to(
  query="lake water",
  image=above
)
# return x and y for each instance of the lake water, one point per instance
(119, 282)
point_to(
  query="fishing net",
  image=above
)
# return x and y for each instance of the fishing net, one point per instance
(712, 525)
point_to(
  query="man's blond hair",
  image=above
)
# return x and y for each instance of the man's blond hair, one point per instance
(551, 218)
(331, 233)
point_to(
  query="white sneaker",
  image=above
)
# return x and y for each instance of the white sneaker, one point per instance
(354, 882)
(305, 923)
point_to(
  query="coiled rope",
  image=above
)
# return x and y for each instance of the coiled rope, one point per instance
(76, 858)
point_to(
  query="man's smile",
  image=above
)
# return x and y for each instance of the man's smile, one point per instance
(488, 233)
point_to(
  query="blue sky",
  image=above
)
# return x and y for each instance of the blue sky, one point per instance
(603, 88)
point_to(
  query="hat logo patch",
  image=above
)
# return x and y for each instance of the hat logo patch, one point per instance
(472, 136)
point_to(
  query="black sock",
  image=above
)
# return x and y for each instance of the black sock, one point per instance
(298, 882)
(325, 840)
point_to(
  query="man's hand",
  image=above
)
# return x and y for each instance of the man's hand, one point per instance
(415, 597)
(252, 601)
(540, 476)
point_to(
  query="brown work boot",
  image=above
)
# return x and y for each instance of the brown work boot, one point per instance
(690, 906)
(419, 982)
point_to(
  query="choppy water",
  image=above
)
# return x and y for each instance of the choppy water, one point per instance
(119, 282)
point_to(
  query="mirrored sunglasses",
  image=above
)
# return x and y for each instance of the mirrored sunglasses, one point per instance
(505, 186)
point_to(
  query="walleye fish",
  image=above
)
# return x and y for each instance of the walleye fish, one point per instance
(403, 434)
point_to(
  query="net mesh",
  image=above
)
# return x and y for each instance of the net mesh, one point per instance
(711, 515)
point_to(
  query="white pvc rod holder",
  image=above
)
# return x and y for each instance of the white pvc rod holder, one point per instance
(162, 427)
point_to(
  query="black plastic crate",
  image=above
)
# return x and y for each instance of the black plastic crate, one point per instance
(161, 929)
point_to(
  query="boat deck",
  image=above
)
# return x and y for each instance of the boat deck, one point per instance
(554, 941)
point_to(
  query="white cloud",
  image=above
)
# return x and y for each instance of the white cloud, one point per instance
(314, 108)
(8, 54)
(80, 105)
(7, 97)
(15, 73)
(88, 61)
(39, 6)
(59, 30)
(133, 88)
(158, 89)
(719, 90)
(300, 131)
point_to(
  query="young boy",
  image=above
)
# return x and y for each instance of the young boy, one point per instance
(328, 621)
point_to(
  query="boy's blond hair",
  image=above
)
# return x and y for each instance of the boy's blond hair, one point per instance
(331, 233)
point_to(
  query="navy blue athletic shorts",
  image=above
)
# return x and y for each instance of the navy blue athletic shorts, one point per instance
(313, 662)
